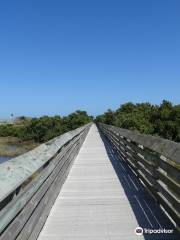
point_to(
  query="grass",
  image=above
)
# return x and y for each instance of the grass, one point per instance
(12, 146)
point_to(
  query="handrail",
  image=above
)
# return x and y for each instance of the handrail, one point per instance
(30, 183)
(162, 146)
(152, 159)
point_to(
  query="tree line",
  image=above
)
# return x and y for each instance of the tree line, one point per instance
(160, 120)
(44, 128)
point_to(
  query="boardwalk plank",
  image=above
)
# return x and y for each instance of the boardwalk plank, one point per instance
(102, 200)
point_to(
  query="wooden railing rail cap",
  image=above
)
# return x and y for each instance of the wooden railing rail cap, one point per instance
(167, 148)
(17, 170)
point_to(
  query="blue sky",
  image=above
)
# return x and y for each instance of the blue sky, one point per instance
(59, 56)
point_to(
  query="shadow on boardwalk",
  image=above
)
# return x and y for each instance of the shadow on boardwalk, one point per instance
(146, 210)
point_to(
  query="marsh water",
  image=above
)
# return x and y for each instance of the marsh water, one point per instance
(3, 159)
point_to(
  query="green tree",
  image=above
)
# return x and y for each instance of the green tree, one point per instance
(161, 120)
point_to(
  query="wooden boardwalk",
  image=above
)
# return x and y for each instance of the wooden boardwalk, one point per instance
(102, 200)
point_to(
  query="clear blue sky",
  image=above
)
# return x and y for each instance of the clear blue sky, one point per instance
(59, 56)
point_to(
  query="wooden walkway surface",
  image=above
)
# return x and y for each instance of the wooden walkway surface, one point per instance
(102, 200)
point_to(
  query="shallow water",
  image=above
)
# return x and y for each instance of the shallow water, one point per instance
(3, 159)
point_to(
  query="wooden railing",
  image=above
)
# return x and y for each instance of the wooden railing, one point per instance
(155, 161)
(30, 183)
